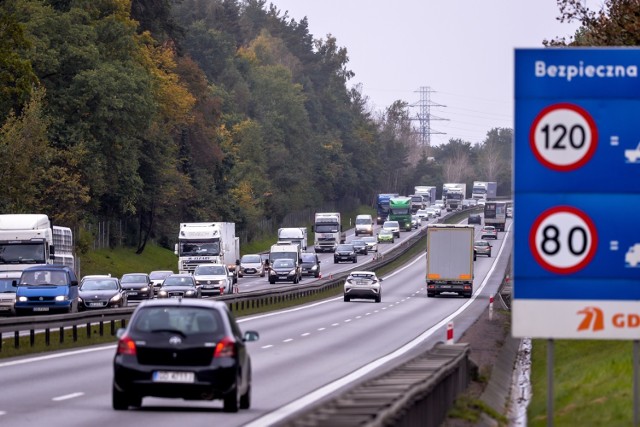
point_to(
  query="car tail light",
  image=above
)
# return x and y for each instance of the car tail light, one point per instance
(126, 346)
(226, 347)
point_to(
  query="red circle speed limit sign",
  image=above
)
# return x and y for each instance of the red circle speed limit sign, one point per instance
(563, 240)
(563, 137)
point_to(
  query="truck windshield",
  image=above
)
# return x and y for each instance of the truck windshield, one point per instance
(401, 211)
(199, 249)
(22, 253)
(282, 255)
(326, 228)
(6, 286)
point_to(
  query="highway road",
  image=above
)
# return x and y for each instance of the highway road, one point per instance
(304, 354)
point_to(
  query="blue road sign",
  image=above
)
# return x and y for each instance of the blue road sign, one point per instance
(577, 188)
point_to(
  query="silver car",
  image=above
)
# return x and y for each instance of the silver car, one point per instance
(8, 292)
(251, 265)
(372, 243)
(393, 226)
(363, 284)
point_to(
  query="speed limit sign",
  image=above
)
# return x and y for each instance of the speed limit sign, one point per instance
(563, 137)
(563, 240)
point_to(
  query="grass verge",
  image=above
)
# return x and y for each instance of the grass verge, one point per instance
(592, 379)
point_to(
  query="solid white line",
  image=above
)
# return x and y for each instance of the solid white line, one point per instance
(311, 398)
(67, 397)
(56, 356)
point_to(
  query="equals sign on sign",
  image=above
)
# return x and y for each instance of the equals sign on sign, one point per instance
(615, 140)
(613, 245)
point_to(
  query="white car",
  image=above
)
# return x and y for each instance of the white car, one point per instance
(158, 276)
(363, 284)
(372, 243)
(433, 212)
(392, 226)
(424, 214)
(213, 278)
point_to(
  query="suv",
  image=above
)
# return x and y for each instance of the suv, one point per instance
(47, 288)
(489, 232)
(185, 349)
(362, 284)
(213, 278)
(345, 252)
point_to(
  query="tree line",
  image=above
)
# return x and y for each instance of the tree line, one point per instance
(168, 111)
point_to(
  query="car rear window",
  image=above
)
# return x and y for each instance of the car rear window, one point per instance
(186, 320)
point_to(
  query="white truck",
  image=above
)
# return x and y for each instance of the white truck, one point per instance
(207, 243)
(483, 190)
(453, 194)
(30, 239)
(328, 231)
(296, 235)
(450, 259)
(428, 192)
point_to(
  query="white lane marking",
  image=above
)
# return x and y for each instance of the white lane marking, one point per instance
(56, 356)
(305, 307)
(347, 321)
(3, 413)
(288, 340)
(267, 346)
(358, 317)
(366, 314)
(311, 398)
(68, 396)
(384, 308)
(321, 329)
(335, 324)
(306, 334)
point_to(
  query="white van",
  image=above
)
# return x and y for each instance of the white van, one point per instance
(364, 225)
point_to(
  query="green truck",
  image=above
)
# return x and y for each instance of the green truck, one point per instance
(400, 210)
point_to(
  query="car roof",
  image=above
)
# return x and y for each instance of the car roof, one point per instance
(363, 272)
(162, 271)
(134, 274)
(48, 267)
(188, 302)
(211, 264)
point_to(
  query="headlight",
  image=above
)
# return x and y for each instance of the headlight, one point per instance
(292, 272)
(145, 289)
(314, 268)
(62, 298)
(116, 297)
(272, 272)
(162, 293)
(79, 299)
(189, 293)
(22, 299)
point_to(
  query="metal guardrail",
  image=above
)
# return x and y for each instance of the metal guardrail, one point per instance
(417, 393)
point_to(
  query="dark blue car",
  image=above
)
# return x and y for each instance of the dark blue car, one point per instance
(47, 288)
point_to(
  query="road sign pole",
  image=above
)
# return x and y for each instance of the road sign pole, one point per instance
(636, 344)
(550, 383)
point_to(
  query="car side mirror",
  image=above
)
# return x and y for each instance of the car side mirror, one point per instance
(14, 283)
(318, 261)
(237, 262)
(381, 279)
(250, 336)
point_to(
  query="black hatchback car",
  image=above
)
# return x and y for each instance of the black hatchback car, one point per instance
(188, 348)
(360, 246)
(310, 264)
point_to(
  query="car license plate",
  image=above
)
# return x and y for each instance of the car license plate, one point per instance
(250, 271)
(40, 308)
(95, 304)
(2, 308)
(132, 293)
(173, 377)
(208, 287)
(361, 282)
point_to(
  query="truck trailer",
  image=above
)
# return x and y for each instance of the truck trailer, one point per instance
(428, 192)
(296, 235)
(450, 259)
(382, 206)
(495, 214)
(484, 190)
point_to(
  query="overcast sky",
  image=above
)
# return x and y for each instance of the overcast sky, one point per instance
(461, 49)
